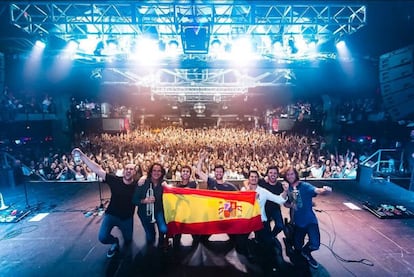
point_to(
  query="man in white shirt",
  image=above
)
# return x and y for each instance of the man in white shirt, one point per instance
(271, 258)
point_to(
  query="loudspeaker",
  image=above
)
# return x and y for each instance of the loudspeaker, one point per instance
(396, 58)
(397, 82)
(2, 70)
(395, 73)
(390, 88)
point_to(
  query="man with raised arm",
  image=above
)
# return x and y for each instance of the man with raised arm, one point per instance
(120, 211)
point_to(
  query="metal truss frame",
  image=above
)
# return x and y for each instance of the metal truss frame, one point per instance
(199, 81)
(134, 18)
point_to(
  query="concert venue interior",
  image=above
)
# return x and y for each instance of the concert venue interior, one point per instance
(324, 86)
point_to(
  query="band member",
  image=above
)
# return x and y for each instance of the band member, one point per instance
(148, 198)
(216, 183)
(272, 209)
(302, 215)
(120, 211)
(185, 182)
(271, 250)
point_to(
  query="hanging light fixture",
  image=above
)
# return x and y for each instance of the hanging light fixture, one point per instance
(199, 108)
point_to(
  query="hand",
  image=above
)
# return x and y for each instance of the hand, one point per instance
(285, 185)
(202, 155)
(327, 188)
(141, 180)
(150, 199)
(76, 151)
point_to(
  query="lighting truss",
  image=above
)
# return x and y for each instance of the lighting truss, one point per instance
(261, 21)
(226, 18)
(199, 94)
(204, 86)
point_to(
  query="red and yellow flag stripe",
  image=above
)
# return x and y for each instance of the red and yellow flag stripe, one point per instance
(197, 211)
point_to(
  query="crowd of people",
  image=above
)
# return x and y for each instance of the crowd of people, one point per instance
(238, 150)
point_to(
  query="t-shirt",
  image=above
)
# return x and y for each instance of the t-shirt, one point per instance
(120, 204)
(226, 186)
(275, 189)
(303, 214)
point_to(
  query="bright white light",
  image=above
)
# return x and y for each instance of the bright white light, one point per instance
(278, 48)
(72, 46)
(341, 44)
(172, 49)
(40, 44)
(241, 51)
(88, 45)
(343, 50)
(146, 50)
(301, 44)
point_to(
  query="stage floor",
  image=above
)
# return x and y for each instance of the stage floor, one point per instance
(64, 242)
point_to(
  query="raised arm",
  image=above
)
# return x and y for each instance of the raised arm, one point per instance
(202, 156)
(323, 189)
(278, 199)
(91, 164)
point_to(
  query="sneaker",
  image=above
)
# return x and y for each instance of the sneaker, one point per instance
(113, 250)
(311, 261)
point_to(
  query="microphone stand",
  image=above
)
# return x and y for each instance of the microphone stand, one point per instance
(25, 195)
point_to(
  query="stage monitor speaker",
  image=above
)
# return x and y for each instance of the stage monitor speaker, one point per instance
(364, 176)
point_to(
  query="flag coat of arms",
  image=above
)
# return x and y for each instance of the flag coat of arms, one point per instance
(199, 211)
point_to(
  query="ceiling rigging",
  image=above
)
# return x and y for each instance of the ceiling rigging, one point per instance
(198, 73)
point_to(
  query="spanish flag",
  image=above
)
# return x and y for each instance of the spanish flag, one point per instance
(199, 211)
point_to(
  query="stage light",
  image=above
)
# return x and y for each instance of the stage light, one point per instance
(340, 44)
(215, 43)
(227, 47)
(199, 108)
(173, 44)
(217, 98)
(161, 45)
(72, 46)
(277, 45)
(40, 44)
(99, 48)
(172, 48)
(292, 45)
(181, 98)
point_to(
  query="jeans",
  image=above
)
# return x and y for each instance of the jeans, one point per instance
(312, 230)
(271, 248)
(276, 215)
(150, 229)
(109, 222)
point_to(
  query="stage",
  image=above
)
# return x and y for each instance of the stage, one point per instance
(59, 237)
